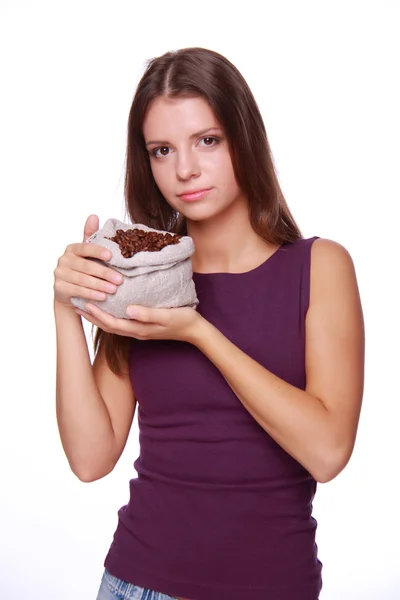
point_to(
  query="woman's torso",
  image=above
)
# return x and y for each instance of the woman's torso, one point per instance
(218, 506)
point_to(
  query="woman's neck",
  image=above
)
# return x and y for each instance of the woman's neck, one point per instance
(227, 243)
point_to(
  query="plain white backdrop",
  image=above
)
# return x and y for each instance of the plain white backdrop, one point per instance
(325, 75)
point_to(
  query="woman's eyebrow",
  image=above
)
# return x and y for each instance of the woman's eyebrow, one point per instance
(195, 135)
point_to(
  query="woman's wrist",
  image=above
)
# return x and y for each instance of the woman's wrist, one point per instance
(199, 330)
(63, 309)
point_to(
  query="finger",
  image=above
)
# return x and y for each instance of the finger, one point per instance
(125, 327)
(88, 251)
(91, 226)
(144, 314)
(95, 269)
(92, 275)
(84, 279)
(89, 258)
(68, 290)
(88, 317)
(107, 321)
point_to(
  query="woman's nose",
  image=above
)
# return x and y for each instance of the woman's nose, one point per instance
(187, 166)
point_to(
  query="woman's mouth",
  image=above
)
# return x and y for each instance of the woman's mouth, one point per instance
(194, 195)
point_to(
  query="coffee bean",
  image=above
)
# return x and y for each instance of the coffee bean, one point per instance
(133, 241)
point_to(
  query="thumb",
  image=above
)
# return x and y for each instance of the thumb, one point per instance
(145, 314)
(91, 226)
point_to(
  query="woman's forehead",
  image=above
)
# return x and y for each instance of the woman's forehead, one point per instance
(167, 116)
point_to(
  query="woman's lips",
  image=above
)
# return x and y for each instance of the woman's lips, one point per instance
(195, 195)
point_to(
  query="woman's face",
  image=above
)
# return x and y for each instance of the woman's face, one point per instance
(189, 152)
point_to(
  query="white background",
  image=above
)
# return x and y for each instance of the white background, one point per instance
(325, 75)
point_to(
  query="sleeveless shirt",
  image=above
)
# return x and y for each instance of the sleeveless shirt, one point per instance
(219, 511)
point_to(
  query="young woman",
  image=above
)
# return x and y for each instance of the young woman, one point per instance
(243, 404)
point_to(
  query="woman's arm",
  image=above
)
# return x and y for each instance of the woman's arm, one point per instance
(95, 407)
(317, 426)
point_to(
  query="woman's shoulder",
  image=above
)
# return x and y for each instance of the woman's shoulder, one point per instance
(327, 251)
(325, 257)
(323, 247)
(332, 270)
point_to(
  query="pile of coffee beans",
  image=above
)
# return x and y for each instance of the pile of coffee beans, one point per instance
(133, 241)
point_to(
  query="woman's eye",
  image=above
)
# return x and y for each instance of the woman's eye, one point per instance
(163, 150)
(209, 141)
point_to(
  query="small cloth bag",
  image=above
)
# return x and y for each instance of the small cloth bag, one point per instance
(160, 279)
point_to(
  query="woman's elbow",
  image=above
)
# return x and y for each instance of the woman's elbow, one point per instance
(90, 475)
(331, 465)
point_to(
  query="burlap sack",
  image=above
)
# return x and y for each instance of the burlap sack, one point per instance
(161, 279)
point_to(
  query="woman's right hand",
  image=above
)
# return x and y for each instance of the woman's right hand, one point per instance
(76, 275)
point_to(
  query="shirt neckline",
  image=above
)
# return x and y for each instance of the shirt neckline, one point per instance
(267, 261)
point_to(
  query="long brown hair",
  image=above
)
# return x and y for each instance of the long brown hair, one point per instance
(198, 72)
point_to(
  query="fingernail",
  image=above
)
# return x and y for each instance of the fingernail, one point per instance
(106, 255)
(131, 312)
(110, 287)
(100, 296)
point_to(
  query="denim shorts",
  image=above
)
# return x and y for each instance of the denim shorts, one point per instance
(112, 588)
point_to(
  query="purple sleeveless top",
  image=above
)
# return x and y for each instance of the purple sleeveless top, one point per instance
(219, 511)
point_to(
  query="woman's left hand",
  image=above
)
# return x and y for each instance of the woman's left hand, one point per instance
(143, 323)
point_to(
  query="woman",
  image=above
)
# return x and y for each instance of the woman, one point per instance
(245, 403)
